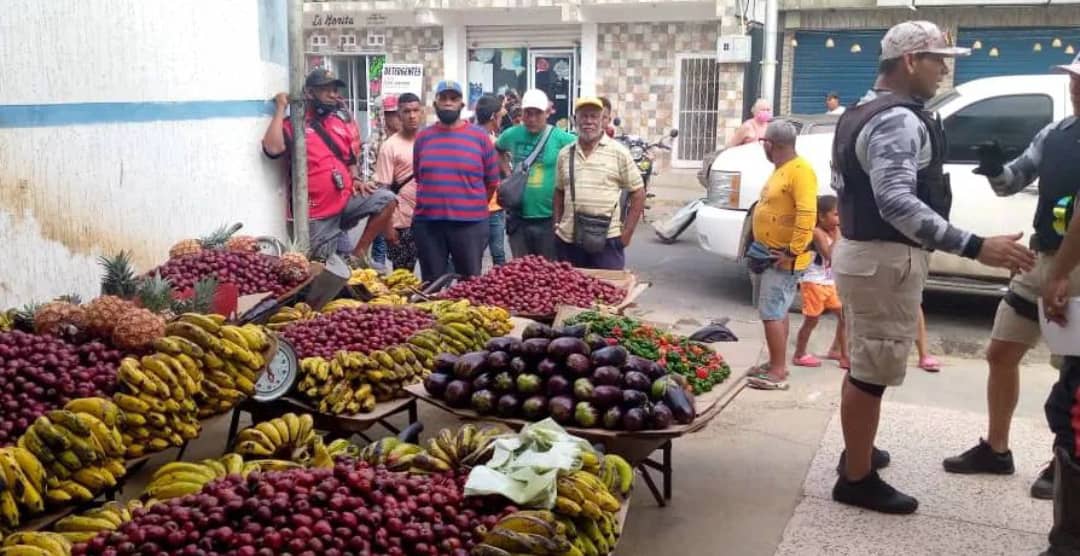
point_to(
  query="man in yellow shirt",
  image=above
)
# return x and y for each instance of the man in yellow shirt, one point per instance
(783, 227)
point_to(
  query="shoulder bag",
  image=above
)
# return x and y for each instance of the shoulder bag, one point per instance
(512, 189)
(590, 231)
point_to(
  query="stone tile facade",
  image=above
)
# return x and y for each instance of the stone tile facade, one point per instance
(636, 63)
(949, 19)
(404, 45)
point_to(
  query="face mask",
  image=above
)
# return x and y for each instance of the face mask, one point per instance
(325, 108)
(446, 116)
(763, 117)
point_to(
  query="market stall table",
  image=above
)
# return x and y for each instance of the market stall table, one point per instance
(334, 424)
(636, 447)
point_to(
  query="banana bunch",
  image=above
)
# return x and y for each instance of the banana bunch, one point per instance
(616, 473)
(460, 328)
(289, 315)
(528, 532)
(180, 478)
(22, 485)
(338, 304)
(369, 279)
(35, 543)
(586, 505)
(389, 299)
(402, 281)
(7, 320)
(494, 319)
(343, 447)
(470, 446)
(392, 453)
(232, 358)
(78, 452)
(352, 382)
(85, 526)
(157, 393)
(289, 436)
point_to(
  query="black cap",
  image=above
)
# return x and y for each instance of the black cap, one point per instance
(321, 77)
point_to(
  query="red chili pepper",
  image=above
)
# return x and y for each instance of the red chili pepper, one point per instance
(702, 373)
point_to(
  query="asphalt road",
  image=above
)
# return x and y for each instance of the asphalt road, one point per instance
(692, 285)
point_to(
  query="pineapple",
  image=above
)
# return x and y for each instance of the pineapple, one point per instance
(59, 318)
(294, 266)
(184, 248)
(119, 278)
(137, 329)
(216, 240)
(103, 313)
(244, 244)
(156, 294)
(23, 317)
(201, 300)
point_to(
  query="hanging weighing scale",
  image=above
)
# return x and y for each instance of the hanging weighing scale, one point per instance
(280, 374)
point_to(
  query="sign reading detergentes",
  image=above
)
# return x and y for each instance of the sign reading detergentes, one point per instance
(403, 78)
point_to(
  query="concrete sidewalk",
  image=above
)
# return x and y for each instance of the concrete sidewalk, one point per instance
(758, 479)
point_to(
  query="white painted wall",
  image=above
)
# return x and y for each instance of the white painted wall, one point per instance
(71, 193)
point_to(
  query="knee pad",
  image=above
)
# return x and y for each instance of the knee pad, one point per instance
(875, 390)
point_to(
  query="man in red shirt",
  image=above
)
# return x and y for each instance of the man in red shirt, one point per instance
(338, 197)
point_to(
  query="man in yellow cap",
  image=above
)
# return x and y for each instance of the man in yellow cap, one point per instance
(591, 175)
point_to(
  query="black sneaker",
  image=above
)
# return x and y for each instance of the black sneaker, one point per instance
(1043, 487)
(873, 494)
(981, 459)
(879, 459)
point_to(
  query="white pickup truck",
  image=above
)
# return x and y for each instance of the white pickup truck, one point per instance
(1009, 109)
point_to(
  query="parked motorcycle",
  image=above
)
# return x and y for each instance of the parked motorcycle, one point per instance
(641, 149)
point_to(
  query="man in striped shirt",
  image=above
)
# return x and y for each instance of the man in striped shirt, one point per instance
(603, 170)
(456, 170)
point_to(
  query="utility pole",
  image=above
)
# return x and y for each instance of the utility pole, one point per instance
(297, 69)
(768, 62)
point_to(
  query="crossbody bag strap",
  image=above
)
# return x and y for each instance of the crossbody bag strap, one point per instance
(317, 125)
(573, 155)
(528, 162)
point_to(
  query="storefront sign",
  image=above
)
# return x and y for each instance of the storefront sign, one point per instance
(329, 20)
(402, 78)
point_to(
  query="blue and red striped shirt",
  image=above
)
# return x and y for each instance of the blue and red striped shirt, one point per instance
(456, 169)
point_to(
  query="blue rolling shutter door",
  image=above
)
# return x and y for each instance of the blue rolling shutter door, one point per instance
(1016, 51)
(819, 69)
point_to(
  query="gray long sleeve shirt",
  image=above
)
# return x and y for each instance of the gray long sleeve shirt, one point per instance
(1024, 169)
(892, 148)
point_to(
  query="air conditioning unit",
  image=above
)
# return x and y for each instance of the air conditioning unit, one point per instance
(733, 49)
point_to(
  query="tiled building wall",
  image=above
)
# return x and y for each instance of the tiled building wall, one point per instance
(636, 70)
(404, 45)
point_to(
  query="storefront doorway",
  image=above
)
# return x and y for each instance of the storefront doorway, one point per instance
(555, 73)
(362, 75)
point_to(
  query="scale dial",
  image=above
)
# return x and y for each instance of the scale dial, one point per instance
(280, 374)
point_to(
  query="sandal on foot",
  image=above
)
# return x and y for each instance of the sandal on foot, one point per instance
(764, 382)
(929, 364)
(806, 360)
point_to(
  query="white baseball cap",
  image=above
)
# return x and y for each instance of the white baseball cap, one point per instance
(535, 98)
(918, 37)
(1073, 68)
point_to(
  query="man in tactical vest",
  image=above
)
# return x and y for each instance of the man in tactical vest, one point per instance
(888, 157)
(1054, 159)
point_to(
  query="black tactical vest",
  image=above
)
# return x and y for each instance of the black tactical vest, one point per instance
(1059, 179)
(860, 218)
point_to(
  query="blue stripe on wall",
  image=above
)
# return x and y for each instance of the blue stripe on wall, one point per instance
(50, 115)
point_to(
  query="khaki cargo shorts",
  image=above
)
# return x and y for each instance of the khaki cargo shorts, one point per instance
(880, 285)
(1010, 326)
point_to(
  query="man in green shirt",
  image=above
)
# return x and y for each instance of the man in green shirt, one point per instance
(531, 229)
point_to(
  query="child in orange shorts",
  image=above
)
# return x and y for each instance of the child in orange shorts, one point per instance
(819, 289)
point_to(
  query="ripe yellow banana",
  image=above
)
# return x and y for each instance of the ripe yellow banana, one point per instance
(31, 466)
(51, 544)
(205, 322)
